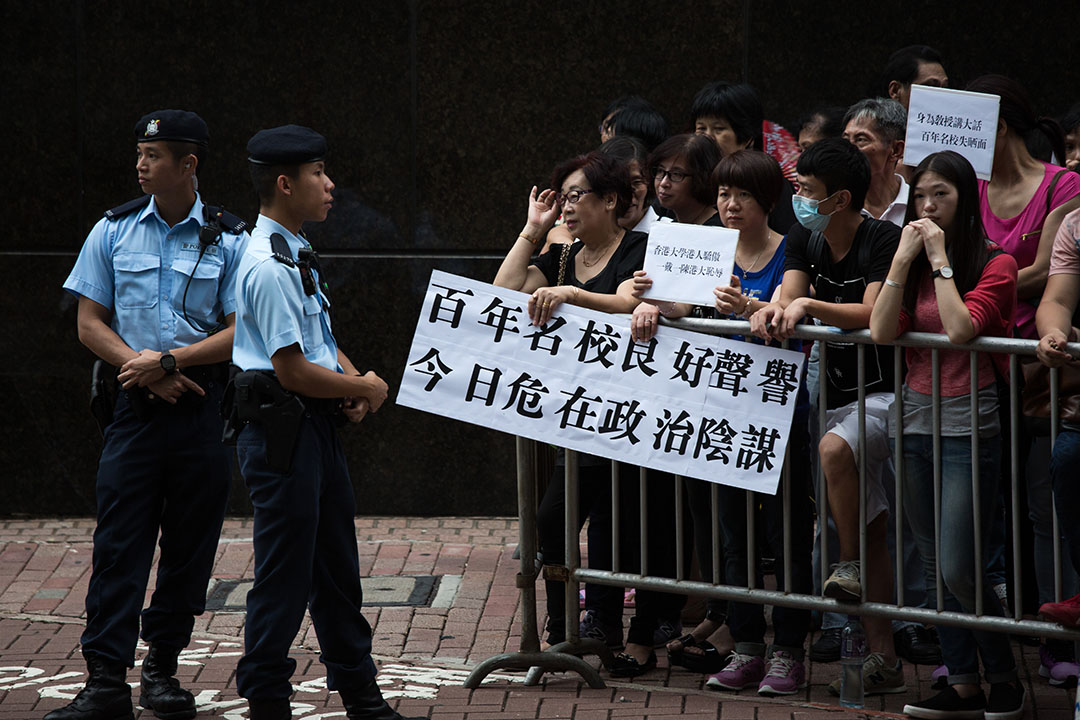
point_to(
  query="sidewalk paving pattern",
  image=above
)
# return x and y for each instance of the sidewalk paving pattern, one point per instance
(462, 573)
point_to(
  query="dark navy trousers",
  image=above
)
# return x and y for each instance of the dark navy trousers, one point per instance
(169, 473)
(305, 558)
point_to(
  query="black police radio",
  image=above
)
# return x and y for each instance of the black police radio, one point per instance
(215, 222)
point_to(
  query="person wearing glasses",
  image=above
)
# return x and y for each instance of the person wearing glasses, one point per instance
(640, 215)
(595, 269)
(682, 168)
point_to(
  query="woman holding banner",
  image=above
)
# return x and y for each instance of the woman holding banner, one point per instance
(594, 193)
(749, 185)
(947, 278)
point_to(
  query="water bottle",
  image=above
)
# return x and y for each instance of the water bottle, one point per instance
(852, 656)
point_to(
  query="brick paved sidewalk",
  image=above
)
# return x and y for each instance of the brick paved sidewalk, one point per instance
(424, 652)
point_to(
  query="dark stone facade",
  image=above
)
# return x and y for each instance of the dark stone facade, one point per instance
(440, 116)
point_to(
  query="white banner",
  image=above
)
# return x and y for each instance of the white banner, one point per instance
(944, 119)
(686, 403)
(685, 262)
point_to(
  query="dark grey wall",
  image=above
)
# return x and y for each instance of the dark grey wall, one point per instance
(440, 116)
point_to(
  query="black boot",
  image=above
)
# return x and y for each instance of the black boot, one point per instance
(160, 691)
(367, 704)
(107, 696)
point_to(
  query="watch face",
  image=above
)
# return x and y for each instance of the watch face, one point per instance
(168, 363)
(946, 272)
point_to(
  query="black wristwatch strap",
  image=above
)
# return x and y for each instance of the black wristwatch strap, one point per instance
(168, 363)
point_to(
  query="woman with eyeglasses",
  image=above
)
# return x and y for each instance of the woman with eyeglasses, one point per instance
(681, 169)
(640, 215)
(594, 270)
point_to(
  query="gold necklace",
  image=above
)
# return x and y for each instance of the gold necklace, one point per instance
(611, 244)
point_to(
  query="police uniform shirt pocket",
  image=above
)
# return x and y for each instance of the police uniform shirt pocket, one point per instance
(312, 323)
(136, 275)
(204, 277)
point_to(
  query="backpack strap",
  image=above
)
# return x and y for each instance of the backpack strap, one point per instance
(815, 246)
(1050, 190)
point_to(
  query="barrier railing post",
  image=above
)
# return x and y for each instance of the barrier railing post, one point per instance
(898, 466)
(1055, 418)
(976, 491)
(864, 565)
(529, 656)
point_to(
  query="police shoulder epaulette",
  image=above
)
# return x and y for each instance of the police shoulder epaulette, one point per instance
(127, 208)
(281, 251)
(228, 221)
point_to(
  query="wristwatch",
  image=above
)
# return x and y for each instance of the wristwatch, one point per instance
(168, 363)
(944, 272)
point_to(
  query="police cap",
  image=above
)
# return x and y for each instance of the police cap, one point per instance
(286, 145)
(178, 125)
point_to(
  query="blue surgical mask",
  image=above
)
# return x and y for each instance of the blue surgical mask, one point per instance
(806, 212)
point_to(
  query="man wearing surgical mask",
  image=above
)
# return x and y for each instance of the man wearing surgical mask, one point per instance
(845, 256)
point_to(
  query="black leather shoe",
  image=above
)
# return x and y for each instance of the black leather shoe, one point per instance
(368, 704)
(827, 647)
(917, 645)
(160, 691)
(106, 696)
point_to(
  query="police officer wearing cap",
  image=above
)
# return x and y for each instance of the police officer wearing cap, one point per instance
(156, 282)
(296, 383)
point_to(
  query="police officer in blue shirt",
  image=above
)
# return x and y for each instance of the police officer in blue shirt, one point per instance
(156, 283)
(296, 383)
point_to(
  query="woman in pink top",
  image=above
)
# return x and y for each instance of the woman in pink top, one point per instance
(946, 278)
(1020, 210)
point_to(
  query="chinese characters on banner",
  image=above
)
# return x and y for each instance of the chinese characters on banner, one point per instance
(690, 404)
(685, 262)
(943, 119)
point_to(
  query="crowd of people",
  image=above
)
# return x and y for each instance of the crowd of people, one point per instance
(834, 229)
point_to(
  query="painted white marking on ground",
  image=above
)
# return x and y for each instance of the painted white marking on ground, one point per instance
(448, 588)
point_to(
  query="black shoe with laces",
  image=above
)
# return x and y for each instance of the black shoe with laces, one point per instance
(1006, 701)
(917, 645)
(827, 647)
(106, 696)
(948, 705)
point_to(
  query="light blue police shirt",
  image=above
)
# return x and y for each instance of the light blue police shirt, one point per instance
(137, 266)
(272, 309)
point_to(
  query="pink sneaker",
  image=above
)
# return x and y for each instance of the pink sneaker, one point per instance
(1066, 612)
(939, 679)
(1057, 663)
(741, 672)
(784, 675)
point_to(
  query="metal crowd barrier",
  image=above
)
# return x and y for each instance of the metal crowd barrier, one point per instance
(567, 655)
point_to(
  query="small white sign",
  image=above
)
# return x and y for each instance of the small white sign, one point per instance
(943, 119)
(685, 262)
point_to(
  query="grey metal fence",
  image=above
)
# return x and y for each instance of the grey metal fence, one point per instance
(566, 655)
